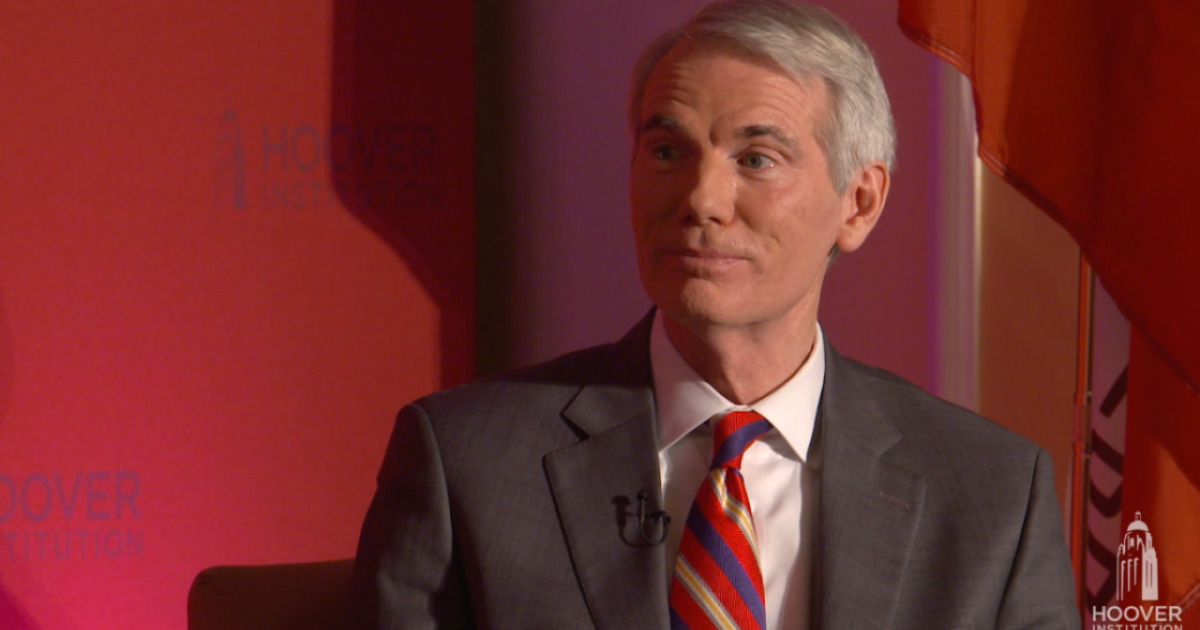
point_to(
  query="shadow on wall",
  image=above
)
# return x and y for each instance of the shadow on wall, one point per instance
(6, 367)
(12, 616)
(494, 37)
(400, 148)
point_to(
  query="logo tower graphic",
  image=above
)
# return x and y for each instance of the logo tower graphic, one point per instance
(1137, 563)
(230, 166)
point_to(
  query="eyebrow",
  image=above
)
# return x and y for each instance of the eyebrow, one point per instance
(773, 131)
(659, 121)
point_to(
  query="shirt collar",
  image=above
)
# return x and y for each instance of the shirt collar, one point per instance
(684, 400)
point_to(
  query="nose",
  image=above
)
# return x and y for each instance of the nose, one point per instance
(713, 192)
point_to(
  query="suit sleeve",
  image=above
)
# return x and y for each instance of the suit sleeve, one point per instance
(1040, 592)
(406, 573)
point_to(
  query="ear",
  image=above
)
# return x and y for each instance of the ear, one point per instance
(863, 203)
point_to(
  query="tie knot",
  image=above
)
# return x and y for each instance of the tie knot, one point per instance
(734, 433)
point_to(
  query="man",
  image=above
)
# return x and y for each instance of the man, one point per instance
(835, 496)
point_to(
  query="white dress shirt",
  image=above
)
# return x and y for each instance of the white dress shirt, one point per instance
(782, 488)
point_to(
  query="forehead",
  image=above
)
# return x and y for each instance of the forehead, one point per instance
(726, 86)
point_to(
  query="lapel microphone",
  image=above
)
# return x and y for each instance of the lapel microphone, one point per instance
(644, 517)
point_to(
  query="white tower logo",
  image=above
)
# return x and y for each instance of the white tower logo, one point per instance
(1137, 565)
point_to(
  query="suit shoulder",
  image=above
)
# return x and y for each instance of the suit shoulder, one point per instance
(510, 421)
(937, 424)
(544, 387)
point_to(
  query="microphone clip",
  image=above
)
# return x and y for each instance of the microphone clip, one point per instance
(643, 517)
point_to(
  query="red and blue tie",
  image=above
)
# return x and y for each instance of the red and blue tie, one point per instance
(718, 583)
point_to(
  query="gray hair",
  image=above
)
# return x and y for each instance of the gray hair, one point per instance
(806, 42)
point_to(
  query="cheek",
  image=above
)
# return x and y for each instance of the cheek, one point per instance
(773, 214)
(796, 231)
(649, 202)
(638, 222)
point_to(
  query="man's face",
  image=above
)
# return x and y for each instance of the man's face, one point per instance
(733, 211)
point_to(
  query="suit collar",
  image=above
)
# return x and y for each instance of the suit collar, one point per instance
(621, 386)
(869, 507)
(847, 398)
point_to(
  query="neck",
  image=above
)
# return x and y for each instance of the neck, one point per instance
(744, 363)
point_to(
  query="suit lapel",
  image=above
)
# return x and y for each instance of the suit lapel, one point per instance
(596, 483)
(869, 508)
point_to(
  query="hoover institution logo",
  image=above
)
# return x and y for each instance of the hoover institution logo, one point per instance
(1137, 587)
(302, 166)
(1137, 563)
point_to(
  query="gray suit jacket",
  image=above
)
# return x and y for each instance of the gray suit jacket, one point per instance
(509, 503)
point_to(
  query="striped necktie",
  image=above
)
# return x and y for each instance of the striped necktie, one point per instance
(717, 582)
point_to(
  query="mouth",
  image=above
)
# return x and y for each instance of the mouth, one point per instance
(701, 253)
(701, 259)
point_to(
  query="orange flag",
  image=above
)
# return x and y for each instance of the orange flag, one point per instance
(1091, 108)
(1162, 474)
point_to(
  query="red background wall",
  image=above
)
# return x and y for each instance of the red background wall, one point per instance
(233, 241)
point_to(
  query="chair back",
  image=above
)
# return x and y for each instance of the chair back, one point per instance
(304, 596)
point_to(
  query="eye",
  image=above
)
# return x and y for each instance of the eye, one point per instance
(755, 161)
(664, 152)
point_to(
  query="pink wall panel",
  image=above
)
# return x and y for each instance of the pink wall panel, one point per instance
(203, 337)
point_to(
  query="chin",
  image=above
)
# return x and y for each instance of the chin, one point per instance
(698, 305)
